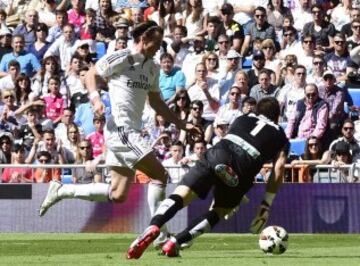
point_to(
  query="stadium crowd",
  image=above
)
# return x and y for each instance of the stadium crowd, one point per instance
(218, 58)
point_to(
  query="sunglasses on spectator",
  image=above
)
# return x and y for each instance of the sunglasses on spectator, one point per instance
(339, 42)
(85, 147)
(212, 59)
(181, 98)
(222, 42)
(260, 16)
(267, 47)
(316, 12)
(308, 41)
(196, 108)
(40, 29)
(308, 95)
(8, 96)
(288, 34)
(318, 63)
(313, 144)
(348, 128)
(356, 27)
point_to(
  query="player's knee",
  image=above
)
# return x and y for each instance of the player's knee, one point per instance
(118, 197)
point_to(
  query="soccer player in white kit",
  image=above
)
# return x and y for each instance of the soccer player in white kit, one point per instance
(132, 77)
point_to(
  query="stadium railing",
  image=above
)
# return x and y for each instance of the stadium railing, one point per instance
(295, 174)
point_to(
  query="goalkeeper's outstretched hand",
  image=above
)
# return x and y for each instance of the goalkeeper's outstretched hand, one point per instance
(259, 222)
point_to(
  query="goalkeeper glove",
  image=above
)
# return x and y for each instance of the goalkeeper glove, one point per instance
(258, 224)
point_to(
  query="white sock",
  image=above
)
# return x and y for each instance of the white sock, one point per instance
(155, 195)
(92, 191)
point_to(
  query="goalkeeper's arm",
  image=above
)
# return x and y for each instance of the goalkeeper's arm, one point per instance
(272, 186)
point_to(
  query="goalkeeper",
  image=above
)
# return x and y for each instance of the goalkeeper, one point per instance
(229, 167)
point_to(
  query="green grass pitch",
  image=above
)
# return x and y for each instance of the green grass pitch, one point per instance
(209, 250)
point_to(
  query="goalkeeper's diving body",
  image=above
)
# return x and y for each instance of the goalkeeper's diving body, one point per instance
(229, 167)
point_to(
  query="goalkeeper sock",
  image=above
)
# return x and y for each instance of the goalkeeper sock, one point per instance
(199, 226)
(167, 210)
(94, 191)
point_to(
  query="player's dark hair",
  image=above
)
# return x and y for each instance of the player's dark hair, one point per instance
(268, 107)
(146, 29)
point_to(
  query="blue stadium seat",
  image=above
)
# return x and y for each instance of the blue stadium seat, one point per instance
(283, 125)
(355, 95)
(100, 50)
(297, 146)
(247, 63)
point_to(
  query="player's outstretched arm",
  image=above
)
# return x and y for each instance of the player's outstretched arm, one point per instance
(275, 181)
(91, 85)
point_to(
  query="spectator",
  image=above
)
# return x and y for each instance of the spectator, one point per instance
(291, 93)
(85, 50)
(258, 64)
(340, 15)
(31, 130)
(230, 27)
(334, 97)
(137, 16)
(205, 90)
(29, 64)
(302, 15)
(97, 138)
(213, 28)
(337, 61)
(51, 145)
(23, 91)
(5, 42)
(324, 32)
(248, 105)
(227, 75)
(271, 62)
(196, 118)
(231, 110)
(290, 44)
(104, 25)
(313, 155)
(316, 76)
(28, 28)
(195, 18)
(61, 129)
(49, 67)
(171, 78)
(121, 5)
(17, 175)
(45, 175)
(81, 95)
(161, 145)
(8, 82)
(347, 28)
(342, 158)
(8, 116)
(84, 156)
(122, 32)
(310, 117)
(192, 59)
(221, 128)
(5, 148)
(40, 45)
(223, 44)
(276, 11)
(181, 105)
(307, 53)
(47, 11)
(57, 30)
(354, 40)
(179, 48)
(347, 136)
(88, 30)
(211, 61)
(62, 47)
(174, 164)
(287, 72)
(71, 143)
(258, 30)
(76, 15)
(54, 102)
(198, 149)
(166, 17)
(264, 88)
(72, 78)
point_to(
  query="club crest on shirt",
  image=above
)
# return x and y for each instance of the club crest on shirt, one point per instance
(131, 63)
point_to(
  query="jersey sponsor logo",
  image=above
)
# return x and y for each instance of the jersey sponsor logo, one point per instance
(138, 85)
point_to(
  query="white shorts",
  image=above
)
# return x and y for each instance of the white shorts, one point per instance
(125, 147)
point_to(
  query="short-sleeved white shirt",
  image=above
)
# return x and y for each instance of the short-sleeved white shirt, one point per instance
(130, 78)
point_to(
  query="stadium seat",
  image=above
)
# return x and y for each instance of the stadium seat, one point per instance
(283, 125)
(297, 146)
(247, 63)
(355, 95)
(100, 50)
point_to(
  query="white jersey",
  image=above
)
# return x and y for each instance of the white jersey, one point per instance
(131, 77)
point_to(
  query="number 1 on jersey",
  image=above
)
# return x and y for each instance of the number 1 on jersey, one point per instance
(259, 125)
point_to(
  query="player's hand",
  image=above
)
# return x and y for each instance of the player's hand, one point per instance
(262, 216)
(98, 106)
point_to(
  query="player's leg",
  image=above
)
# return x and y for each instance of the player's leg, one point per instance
(156, 189)
(200, 225)
(99, 192)
(181, 197)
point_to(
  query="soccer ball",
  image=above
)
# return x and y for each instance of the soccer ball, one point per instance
(273, 240)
